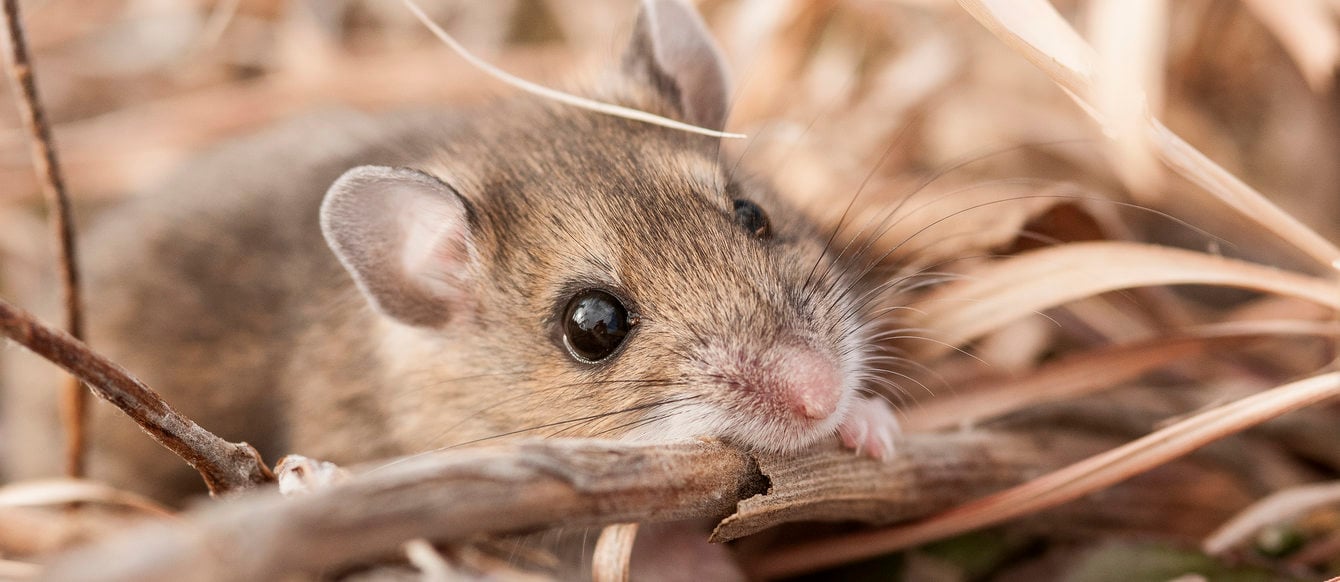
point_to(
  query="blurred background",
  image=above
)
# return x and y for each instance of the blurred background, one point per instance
(133, 86)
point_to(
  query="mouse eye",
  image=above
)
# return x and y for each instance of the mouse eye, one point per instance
(594, 324)
(751, 218)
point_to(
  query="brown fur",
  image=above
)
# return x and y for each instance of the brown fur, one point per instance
(220, 291)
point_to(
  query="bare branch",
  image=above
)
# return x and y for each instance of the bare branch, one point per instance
(456, 496)
(225, 466)
(446, 497)
(75, 397)
(459, 496)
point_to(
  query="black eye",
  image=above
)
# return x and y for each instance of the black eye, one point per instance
(594, 324)
(751, 218)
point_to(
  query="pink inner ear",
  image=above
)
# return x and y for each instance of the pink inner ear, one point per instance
(436, 248)
(684, 50)
(404, 237)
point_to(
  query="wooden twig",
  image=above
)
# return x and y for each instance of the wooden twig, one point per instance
(226, 467)
(75, 398)
(456, 496)
(459, 496)
(447, 497)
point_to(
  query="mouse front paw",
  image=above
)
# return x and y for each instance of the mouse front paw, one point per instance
(870, 428)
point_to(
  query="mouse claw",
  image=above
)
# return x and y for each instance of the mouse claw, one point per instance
(870, 429)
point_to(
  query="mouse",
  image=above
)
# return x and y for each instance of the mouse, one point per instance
(354, 286)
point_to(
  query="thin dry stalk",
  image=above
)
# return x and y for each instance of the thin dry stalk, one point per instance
(1093, 371)
(1035, 30)
(12, 570)
(1026, 284)
(432, 566)
(1057, 487)
(558, 96)
(75, 397)
(1279, 507)
(226, 467)
(614, 553)
(66, 491)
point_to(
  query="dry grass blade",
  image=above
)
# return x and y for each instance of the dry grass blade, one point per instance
(614, 553)
(1037, 32)
(75, 397)
(558, 96)
(62, 491)
(1307, 29)
(1093, 371)
(1129, 36)
(1063, 485)
(432, 566)
(12, 570)
(1281, 506)
(1026, 284)
(1067, 378)
(226, 467)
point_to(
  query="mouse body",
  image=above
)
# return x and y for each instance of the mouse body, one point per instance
(353, 287)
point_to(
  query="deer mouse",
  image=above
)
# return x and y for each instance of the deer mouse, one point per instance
(353, 287)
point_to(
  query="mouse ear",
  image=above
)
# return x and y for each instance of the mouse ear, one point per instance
(672, 50)
(405, 237)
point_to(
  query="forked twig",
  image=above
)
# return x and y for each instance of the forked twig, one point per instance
(225, 466)
(75, 398)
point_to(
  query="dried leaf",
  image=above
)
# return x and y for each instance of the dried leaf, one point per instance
(1089, 372)
(1026, 284)
(64, 491)
(1034, 30)
(1308, 31)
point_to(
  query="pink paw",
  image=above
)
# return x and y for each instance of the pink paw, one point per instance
(870, 428)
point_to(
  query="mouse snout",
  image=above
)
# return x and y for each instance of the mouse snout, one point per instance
(809, 383)
(789, 380)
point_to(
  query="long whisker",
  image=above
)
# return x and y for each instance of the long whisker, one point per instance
(963, 162)
(627, 410)
(558, 387)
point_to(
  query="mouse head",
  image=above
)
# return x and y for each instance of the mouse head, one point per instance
(591, 275)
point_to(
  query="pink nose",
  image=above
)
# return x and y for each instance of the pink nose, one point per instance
(810, 383)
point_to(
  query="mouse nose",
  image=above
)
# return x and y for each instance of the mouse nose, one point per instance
(811, 385)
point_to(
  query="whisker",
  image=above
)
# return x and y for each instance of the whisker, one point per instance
(965, 161)
(634, 408)
(523, 395)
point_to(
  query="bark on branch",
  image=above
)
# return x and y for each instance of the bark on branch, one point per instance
(462, 495)
(459, 495)
(225, 466)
